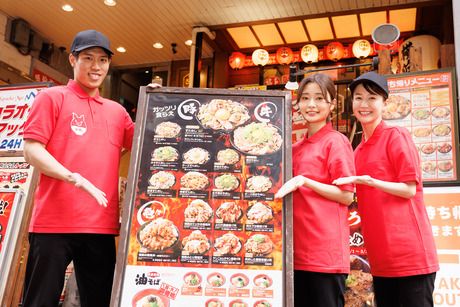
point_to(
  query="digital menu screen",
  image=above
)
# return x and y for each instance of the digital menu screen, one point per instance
(205, 227)
(423, 102)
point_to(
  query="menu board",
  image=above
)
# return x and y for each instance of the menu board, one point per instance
(15, 102)
(204, 227)
(424, 103)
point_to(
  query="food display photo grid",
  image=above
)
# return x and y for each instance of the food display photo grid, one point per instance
(204, 227)
(424, 103)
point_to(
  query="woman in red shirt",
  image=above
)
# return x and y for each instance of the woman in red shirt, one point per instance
(395, 225)
(321, 232)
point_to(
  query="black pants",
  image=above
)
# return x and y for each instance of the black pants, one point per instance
(313, 289)
(410, 291)
(93, 256)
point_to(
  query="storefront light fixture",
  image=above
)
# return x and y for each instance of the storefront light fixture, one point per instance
(334, 51)
(309, 53)
(236, 60)
(121, 49)
(188, 42)
(292, 83)
(67, 8)
(158, 45)
(110, 2)
(260, 57)
(284, 55)
(361, 48)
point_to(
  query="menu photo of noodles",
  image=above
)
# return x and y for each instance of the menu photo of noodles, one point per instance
(197, 211)
(221, 114)
(257, 139)
(149, 298)
(196, 243)
(161, 183)
(194, 184)
(258, 245)
(227, 244)
(159, 236)
(167, 130)
(196, 155)
(228, 216)
(259, 213)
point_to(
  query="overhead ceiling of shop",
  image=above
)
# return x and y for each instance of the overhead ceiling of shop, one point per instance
(138, 24)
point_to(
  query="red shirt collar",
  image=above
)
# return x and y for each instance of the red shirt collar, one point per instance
(76, 88)
(377, 132)
(318, 135)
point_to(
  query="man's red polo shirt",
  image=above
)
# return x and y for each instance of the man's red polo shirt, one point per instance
(86, 135)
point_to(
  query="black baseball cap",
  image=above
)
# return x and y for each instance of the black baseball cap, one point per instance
(88, 39)
(373, 77)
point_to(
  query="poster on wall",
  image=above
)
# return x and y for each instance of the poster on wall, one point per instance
(15, 102)
(423, 102)
(443, 208)
(204, 228)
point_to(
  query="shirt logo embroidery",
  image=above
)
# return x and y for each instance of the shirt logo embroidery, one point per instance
(78, 124)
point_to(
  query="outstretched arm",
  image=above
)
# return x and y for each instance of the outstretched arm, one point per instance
(36, 155)
(326, 190)
(401, 189)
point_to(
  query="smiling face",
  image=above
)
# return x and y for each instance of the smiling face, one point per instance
(313, 106)
(367, 106)
(90, 68)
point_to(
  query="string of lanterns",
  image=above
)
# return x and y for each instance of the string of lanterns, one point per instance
(309, 53)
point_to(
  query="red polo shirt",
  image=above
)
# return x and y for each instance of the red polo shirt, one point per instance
(321, 232)
(397, 232)
(86, 135)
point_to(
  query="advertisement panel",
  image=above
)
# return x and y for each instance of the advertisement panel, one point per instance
(204, 227)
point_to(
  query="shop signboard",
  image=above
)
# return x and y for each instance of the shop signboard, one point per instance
(443, 208)
(423, 102)
(11, 203)
(201, 226)
(15, 102)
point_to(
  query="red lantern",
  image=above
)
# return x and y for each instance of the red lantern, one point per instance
(236, 60)
(284, 55)
(334, 51)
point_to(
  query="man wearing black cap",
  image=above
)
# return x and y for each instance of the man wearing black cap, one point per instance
(74, 138)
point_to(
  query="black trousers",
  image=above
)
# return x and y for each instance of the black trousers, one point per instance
(410, 291)
(93, 256)
(312, 289)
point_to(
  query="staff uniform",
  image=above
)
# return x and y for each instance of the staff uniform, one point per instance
(85, 134)
(396, 230)
(321, 232)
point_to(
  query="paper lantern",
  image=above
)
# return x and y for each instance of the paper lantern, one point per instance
(361, 48)
(309, 54)
(260, 57)
(334, 51)
(236, 60)
(284, 55)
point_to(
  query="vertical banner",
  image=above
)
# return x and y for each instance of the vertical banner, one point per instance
(443, 207)
(204, 227)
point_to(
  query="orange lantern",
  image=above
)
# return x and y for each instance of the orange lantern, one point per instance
(236, 60)
(334, 51)
(284, 55)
